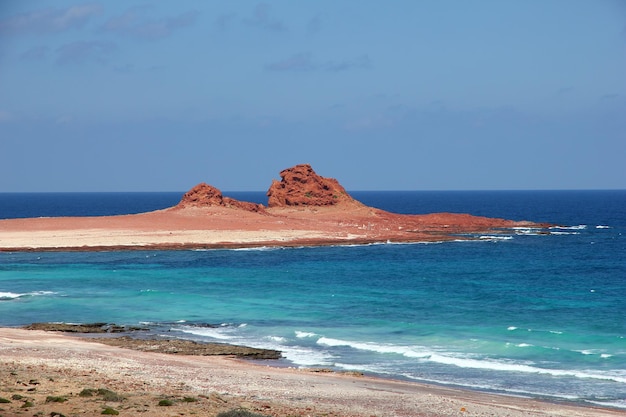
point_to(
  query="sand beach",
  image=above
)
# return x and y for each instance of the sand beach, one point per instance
(42, 373)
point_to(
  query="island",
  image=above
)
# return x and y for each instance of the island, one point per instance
(303, 209)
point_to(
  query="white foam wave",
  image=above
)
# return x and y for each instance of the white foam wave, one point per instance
(9, 295)
(12, 295)
(408, 351)
(600, 226)
(306, 357)
(301, 335)
(614, 404)
(426, 355)
(258, 249)
(529, 231)
(578, 227)
(495, 238)
(278, 339)
(588, 352)
(220, 333)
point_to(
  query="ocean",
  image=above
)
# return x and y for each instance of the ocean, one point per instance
(527, 313)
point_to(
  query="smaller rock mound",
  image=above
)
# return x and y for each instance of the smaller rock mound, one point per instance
(301, 186)
(205, 195)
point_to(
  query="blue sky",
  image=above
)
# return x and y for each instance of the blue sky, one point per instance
(400, 95)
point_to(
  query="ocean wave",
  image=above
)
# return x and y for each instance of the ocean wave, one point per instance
(258, 249)
(301, 335)
(592, 352)
(600, 226)
(528, 231)
(495, 238)
(220, 333)
(446, 358)
(578, 227)
(6, 296)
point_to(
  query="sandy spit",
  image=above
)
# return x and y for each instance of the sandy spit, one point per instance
(223, 227)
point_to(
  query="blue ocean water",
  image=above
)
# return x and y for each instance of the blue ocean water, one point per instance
(527, 313)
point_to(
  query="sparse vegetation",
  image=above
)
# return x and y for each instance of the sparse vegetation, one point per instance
(110, 411)
(53, 399)
(240, 412)
(190, 400)
(4, 400)
(87, 392)
(108, 395)
(166, 403)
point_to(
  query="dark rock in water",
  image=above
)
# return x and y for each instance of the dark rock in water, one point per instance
(83, 328)
(189, 347)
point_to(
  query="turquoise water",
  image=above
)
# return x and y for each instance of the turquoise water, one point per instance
(523, 313)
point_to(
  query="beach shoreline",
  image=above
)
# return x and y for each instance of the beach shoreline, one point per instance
(38, 365)
(233, 228)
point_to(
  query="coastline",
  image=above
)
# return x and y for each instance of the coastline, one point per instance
(38, 365)
(231, 227)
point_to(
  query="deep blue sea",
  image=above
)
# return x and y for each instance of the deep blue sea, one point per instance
(530, 314)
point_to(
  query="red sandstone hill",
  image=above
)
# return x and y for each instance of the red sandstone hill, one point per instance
(300, 186)
(304, 199)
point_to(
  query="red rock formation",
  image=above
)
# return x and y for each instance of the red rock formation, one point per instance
(205, 195)
(301, 186)
(202, 195)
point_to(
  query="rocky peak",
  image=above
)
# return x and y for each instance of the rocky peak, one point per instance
(205, 195)
(301, 186)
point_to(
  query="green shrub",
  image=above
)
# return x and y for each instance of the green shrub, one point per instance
(4, 400)
(51, 399)
(166, 403)
(28, 404)
(17, 397)
(190, 400)
(108, 395)
(87, 392)
(110, 411)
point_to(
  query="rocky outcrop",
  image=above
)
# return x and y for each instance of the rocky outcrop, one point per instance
(205, 195)
(301, 186)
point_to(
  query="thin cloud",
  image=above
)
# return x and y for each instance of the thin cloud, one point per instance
(46, 21)
(36, 53)
(134, 23)
(360, 62)
(304, 62)
(298, 62)
(84, 51)
(315, 25)
(611, 96)
(261, 18)
(223, 22)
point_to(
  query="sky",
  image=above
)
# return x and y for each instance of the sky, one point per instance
(396, 95)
